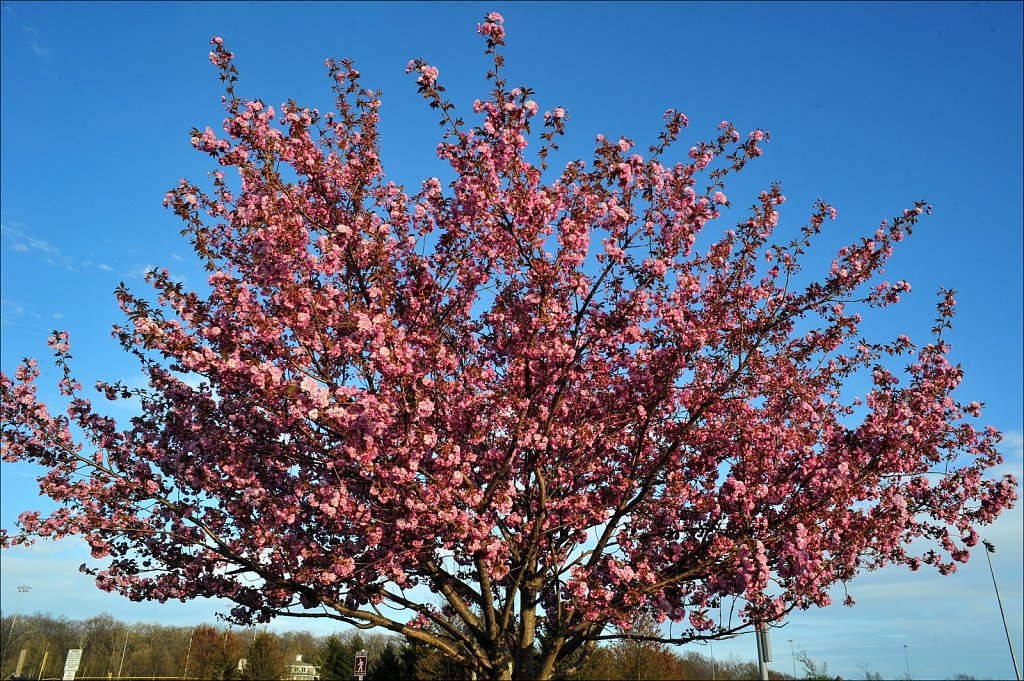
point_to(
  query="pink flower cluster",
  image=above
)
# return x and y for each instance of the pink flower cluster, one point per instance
(493, 29)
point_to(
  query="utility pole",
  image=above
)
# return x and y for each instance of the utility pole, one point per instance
(990, 549)
(906, 658)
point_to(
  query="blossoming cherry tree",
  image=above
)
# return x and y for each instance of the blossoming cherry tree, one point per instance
(554, 399)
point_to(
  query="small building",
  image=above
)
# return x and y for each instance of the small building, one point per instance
(301, 671)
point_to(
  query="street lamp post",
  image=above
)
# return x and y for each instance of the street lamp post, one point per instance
(188, 653)
(124, 649)
(22, 590)
(906, 658)
(792, 653)
(990, 549)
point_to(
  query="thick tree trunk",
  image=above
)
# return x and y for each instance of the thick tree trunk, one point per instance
(524, 654)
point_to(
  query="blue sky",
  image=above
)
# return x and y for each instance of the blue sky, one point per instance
(870, 106)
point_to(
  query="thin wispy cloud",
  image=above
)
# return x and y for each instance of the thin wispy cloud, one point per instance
(33, 42)
(38, 49)
(138, 272)
(1012, 449)
(98, 265)
(19, 238)
(1012, 445)
(10, 308)
(13, 313)
(23, 242)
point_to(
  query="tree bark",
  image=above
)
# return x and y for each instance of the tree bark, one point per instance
(527, 632)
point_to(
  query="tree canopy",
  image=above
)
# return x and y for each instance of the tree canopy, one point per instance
(556, 399)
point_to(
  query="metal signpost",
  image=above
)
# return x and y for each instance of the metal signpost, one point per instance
(71, 664)
(360, 667)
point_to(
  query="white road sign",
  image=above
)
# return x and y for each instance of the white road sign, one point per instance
(72, 662)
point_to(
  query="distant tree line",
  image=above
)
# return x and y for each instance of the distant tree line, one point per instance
(113, 649)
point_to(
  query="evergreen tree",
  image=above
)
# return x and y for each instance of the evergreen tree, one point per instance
(263, 661)
(332, 660)
(387, 666)
(411, 654)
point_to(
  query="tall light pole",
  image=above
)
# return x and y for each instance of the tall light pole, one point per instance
(22, 590)
(792, 653)
(906, 658)
(188, 653)
(124, 649)
(990, 549)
